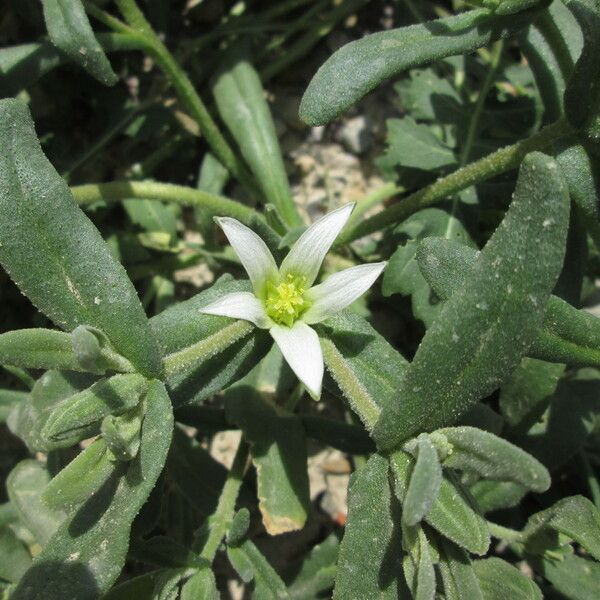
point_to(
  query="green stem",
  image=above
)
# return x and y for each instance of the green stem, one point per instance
(495, 56)
(223, 515)
(186, 92)
(494, 164)
(361, 401)
(504, 533)
(207, 347)
(168, 192)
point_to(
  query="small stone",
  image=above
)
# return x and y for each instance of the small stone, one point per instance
(355, 135)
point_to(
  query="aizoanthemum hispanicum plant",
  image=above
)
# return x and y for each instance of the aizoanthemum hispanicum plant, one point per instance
(285, 301)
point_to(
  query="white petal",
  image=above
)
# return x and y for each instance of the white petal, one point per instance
(340, 290)
(239, 305)
(253, 252)
(301, 349)
(307, 254)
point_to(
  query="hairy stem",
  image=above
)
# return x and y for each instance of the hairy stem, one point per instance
(168, 192)
(223, 515)
(494, 164)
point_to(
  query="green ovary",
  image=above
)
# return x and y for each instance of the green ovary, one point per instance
(285, 300)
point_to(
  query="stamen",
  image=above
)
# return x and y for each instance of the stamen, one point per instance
(285, 301)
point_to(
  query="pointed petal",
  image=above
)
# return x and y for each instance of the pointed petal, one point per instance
(307, 254)
(239, 305)
(301, 349)
(340, 290)
(252, 251)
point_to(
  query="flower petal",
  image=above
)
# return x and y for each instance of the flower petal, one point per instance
(307, 254)
(252, 251)
(340, 290)
(301, 349)
(239, 305)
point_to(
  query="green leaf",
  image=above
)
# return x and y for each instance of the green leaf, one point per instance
(85, 556)
(50, 391)
(8, 400)
(458, 575)
(567, 335)
(71, 421)
(582, 174)
(528, 391)
(94, 352)
(38, 349)
(251, 565)
(278, 450)
(54, 253)
(551, 45)
(424, 483)
(370, 570)
(14, 558)
(582, 96)
(499, 580)
(360, 66)
(152, 215)
(363, 365)
(203, 353)
(241, 102)
(195, 473)
(486, 327)
(492, 457)
(122, 432)
(411, 145)
(140, 587)
(200, 585)
(495, 495)
(80, 479)
(70, 31)
(576, 517)
(402, 274)
(418, 564)
(575, 577)
(452, 514)
(316, 574)
(567, 424)
(239, 527)
(25, 486)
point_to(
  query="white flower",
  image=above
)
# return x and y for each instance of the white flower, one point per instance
(284, 300)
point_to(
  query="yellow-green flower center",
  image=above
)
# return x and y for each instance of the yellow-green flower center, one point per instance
(285, 301)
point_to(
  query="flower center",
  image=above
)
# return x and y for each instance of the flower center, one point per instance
(285, 301)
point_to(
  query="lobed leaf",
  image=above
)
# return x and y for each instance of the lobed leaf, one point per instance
(487, 326)
(55, 254)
